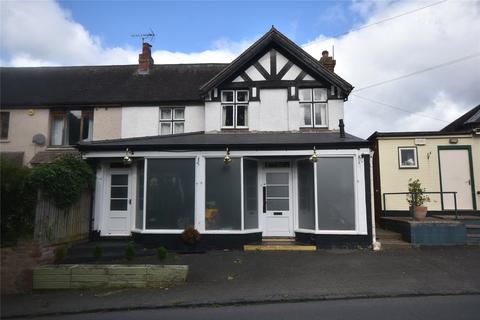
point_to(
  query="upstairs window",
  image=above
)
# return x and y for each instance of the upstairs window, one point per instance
(313, 107)
(234, 108)
(4, 125)
(172, 120)
(70, 127)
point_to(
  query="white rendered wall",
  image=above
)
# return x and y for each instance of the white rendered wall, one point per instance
(335, 113)
(139, 121)
(273, 110)
(194, 118)
(213, 116)
(294, 117)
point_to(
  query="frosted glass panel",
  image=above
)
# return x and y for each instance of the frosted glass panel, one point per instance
(277, 178)
(306, 195)
(277, 191)
(278, 204)
(223, 195)
(336, 194)
(250, 194)
(170, 193)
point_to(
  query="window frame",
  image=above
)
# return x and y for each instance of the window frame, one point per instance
(172, 120)
(7, 126)
(415, 155)
(64, 115)
(311, 105)
(235, 104)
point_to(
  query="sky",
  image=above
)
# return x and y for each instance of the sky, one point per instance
(415, 65)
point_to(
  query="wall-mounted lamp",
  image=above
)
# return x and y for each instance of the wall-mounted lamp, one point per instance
(227, 160)
(453, 140)
(127, 160)
(314, 156)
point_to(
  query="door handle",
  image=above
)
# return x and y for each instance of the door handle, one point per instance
(264, 190)
(129, 201)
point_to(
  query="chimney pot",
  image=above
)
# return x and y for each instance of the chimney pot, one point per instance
(145, 60)
(327, 61)
(341, 125)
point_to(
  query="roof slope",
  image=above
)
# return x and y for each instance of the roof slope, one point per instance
(278, 40)
(121, 84)
(234, 140)
(469, 120)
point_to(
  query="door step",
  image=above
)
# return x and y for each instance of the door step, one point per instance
(279, 246)
(278, 239)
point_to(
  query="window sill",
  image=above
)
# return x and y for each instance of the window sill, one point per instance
(234, 129)
(5, 141)
(61, 148)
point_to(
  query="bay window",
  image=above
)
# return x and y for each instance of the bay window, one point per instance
(70, 127)
(313, 107)
(234, 108)
(172, 120)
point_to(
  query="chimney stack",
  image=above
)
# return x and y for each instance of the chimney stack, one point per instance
(145, 60)
(341, 125)
(327, 61)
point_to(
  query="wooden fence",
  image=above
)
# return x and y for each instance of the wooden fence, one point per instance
(56, 226)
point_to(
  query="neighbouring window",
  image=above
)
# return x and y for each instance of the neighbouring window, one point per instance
(140, 186)
(250, 193)
(336, 193)
(306, 195)
(70, 127)
(172, 120)
(223, 195)
(4, 124)
(313, 107)
(170, 193)
(407, 157)
(234, 108)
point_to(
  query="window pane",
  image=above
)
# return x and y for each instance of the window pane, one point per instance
(408, 157)
(170, 193)
(250, 194)
(227, 96)
(242, 114)
(119, 180)
(223, 195)
(320, 114)
(57, 131)
(277, 191)
(242, 95)
(4, 124)
(320, 94)
(278, 204)
(336, 194)
(74, 120)
(305, 94)
(165, 113)
(118, 205)
(277, 178)
(165, 128)
(179, 114)
(306, 195)
(140, 184)
(87, 130)
(306, 114)
(227, 116)
(119, 192)
(178, 127)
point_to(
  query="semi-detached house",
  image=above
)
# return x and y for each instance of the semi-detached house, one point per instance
(250, 149)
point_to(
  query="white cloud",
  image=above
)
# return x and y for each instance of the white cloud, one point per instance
(43, 33)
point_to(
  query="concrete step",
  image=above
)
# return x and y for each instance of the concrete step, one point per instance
(278, 239)
(473, 228)
(279, 247)
(395, 244)
(387, 235)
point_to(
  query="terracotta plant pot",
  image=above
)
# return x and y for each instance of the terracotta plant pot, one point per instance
(420, 212)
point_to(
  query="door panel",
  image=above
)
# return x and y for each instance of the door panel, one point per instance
(455, 176)
(278, 220)
(118, 207)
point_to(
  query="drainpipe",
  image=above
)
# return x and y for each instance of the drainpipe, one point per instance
(375, 246)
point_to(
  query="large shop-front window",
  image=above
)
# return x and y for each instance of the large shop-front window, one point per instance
(223, 195)
(306, 195)
(250, 194)
(172, 120)
(70, 127)
(234, 108)
(170, 193)
(313, 107)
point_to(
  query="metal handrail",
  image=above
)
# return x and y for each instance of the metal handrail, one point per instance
(432, 192)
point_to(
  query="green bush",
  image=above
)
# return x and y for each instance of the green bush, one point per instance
(97, 253)
(60, 254)
(129, 251)
(161, 253)
(18, 199)
(63, 180)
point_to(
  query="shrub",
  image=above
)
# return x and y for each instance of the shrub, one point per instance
(63, 180)
(97, 252)
(129, 251)
(416, 197)
(18, 199)
(191, 236)
(60, 254)
(161, 253)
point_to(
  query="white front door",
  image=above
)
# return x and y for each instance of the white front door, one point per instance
(455, 176)
(277, 203)
(118, 196)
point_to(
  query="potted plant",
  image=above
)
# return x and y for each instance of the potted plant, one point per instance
(416, 199)
(191, 237)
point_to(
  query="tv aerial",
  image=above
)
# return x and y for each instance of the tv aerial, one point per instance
(149, 36)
